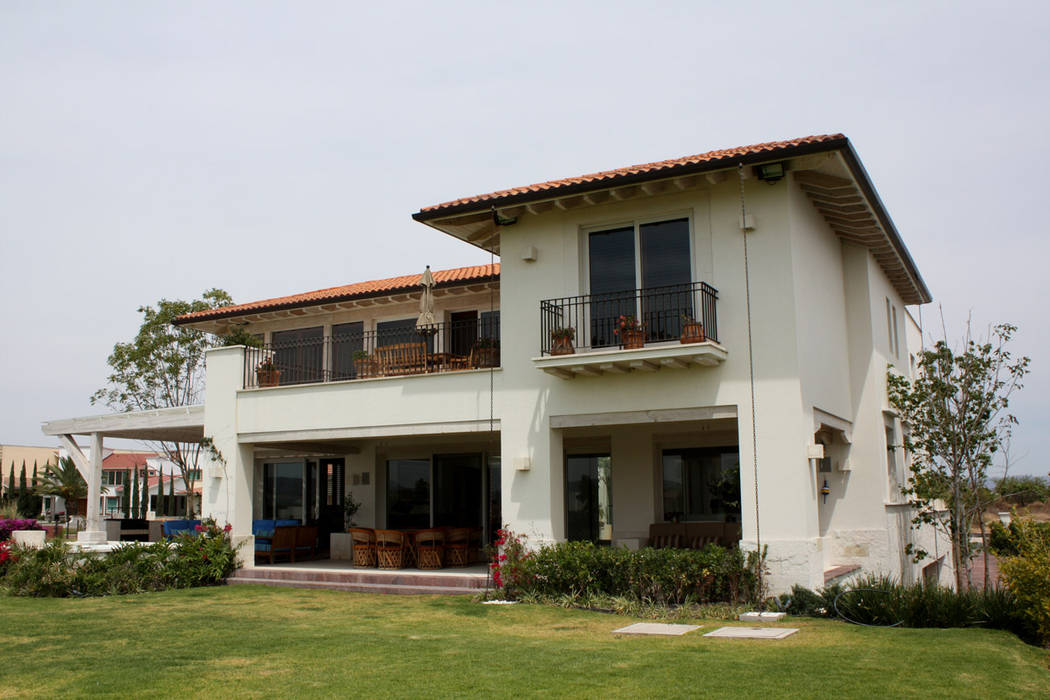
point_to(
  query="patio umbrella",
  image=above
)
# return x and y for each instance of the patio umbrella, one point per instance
(426, 304)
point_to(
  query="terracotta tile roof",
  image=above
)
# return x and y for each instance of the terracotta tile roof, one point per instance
(126, 460)
(656, 169)
(442, 278)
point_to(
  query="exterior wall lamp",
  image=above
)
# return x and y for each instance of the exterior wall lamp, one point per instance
(824, 490)
(770, 172)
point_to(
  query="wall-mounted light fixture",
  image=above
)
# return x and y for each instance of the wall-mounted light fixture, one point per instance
(824, 490)
(771, 172)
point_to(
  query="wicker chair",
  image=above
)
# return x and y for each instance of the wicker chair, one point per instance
(430, 549)
(457, 547)
(390, 549)
(364, 546)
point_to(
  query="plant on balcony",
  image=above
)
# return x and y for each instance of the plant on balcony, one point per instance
(692, 330)
(485, 352)
(364, 364)
(267, 374)
(562, 341)
(631, 332)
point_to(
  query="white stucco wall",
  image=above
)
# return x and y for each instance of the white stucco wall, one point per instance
(819, 342)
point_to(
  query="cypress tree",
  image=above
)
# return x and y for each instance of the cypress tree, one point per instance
(144, 505)
(171, 494)
(11, 483)
(133, 509)
(34, 476)
(23, 485)
(126, 496)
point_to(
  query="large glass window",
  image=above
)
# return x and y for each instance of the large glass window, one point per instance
(298, 354)
(702, 484)
(407, 494)
(403, 331)
(588, 497)
(283, 491)
(653, 257)
(457, 490)
(347, 339)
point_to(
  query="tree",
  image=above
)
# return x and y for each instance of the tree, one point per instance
(126, 495)
(11, 484)
(163, 367)
(28, 501)
(144, 493)
(64, 480)
(955, 416)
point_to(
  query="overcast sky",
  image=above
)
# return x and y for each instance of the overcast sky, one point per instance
(157, 149)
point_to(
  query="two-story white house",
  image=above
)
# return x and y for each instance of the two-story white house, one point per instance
(526, 400)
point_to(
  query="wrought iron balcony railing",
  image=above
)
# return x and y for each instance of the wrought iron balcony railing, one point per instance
(441, 347)
(664, 313)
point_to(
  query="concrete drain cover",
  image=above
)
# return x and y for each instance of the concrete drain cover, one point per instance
(656, 628)
(753, 632)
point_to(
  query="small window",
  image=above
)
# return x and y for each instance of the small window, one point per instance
(891, 464)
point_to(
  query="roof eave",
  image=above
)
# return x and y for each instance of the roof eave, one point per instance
(425, 216)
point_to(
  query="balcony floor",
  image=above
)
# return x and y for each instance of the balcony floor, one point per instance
(617, 361)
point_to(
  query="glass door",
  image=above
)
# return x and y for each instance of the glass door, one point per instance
(588, 497)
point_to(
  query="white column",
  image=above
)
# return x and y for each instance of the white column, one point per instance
(95, 531)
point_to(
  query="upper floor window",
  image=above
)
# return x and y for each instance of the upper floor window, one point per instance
(891, 328)
(645, 256)
(299, 354)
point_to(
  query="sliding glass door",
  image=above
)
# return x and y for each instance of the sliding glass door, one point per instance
(588, 497)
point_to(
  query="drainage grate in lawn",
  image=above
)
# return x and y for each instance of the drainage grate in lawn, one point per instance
(753, 632)
(658, 628)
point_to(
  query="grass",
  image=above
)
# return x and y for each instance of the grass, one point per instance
(247, 641)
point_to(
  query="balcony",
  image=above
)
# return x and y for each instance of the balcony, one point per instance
(679, 329)
(388, 352)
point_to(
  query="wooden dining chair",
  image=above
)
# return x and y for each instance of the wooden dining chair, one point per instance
(457, 547)
(364, 540)
(390, 549)
(430, 549)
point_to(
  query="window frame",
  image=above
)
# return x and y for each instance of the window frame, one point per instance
(636, 224)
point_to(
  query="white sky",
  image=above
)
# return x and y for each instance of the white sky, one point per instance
(156, 149)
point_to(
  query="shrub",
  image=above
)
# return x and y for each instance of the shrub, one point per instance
(9, 525)
(58, 571)
(1027, 575)
(581, 570)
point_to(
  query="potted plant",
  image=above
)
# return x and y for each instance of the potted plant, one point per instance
(631, 332)
(692, 330)
(562, 341)
(487, 352)
(364, 365)
(266, 374)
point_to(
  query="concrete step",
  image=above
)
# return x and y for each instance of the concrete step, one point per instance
(370, 581)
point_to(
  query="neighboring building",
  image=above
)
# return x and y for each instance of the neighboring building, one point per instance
(480, 421)
(17, 455)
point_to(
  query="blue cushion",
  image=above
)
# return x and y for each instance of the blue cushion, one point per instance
(266, 547)
(266, 525)
(264, 534)
(287, 523)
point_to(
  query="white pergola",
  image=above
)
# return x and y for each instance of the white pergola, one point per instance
(181, 424)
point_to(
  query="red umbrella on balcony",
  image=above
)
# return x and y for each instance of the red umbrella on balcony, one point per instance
(426, 319)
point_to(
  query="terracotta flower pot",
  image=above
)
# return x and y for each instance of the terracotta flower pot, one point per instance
(267, 377)
(693, 333)
(562, 346)
(632, 339)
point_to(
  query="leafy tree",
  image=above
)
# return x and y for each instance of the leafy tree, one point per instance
(64, 480)
(163, 367)
(955, 413)
(1022, 490)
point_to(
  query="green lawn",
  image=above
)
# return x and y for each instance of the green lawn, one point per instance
(248, 641)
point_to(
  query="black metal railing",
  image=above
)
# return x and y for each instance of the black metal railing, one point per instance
(397, 350)
(665, 313)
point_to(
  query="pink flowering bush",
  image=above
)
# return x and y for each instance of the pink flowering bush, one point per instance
(509, 566)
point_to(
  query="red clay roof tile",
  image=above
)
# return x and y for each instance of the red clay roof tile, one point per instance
(348, 291)
(553, 186)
